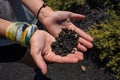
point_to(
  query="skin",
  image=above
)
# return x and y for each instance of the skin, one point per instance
(57, 20)
(43, 52)
(40, 42)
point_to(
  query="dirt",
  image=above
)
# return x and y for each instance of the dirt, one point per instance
(65, 42)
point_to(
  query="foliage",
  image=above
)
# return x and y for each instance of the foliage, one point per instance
(105, 4)
(62, 5)
(107, 37)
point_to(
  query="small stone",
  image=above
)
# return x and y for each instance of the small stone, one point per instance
(83, 68)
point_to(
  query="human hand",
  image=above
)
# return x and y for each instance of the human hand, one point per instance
(40, 50)
(56, 20)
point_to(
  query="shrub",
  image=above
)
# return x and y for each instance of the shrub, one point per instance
(107, 37)
(62, 5)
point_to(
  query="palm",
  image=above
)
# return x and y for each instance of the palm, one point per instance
(57, 21)
(61, 19)
(41, 50)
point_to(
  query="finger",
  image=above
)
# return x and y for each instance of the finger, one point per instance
(72, 15)
(76, 16)
(81, 47)
(80, 32)
(40, 63)
(71, 58)
(85, 42)
(83, 34)
(79, 55)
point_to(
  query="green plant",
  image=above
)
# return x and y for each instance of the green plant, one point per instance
(62, 5)
(107, 40)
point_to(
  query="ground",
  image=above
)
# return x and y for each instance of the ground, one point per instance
(16, 71)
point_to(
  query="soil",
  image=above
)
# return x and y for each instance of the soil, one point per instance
(75, 72)
(65, 42)
(17, 71)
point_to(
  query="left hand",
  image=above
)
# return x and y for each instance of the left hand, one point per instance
(56, 20)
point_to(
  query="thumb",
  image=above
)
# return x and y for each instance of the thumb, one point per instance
(40, 63)
(76, 16)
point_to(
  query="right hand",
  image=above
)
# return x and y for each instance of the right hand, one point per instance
(40, 50)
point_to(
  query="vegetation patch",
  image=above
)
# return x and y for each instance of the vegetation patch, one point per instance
(107, 37)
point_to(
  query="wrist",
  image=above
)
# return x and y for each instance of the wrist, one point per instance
(3, 26)
(20, 32)
(44, 13)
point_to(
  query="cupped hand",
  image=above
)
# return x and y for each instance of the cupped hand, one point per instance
(40, 50)
(57, 20)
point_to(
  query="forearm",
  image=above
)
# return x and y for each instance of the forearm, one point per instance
(3, 26)
(19, 32)
(34, 6)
